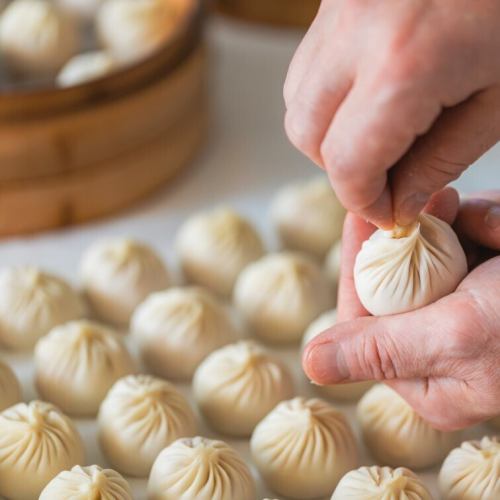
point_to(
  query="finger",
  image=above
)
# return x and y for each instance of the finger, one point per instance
(444, 204)
(458, 138)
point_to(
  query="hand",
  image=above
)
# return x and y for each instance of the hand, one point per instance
(395, 98)
(444, 358)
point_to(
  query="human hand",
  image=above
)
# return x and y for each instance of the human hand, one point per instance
(444, 358)
(395, 98)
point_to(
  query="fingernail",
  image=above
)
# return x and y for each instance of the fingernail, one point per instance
(492, 218)
(326, 364)
(410, 208)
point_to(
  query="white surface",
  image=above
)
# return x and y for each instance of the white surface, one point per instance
(247, 158)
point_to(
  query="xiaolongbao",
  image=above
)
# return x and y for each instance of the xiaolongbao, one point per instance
(31, 303)
(10, 390)
(407, 268)
(472, 471)
(200, 469)
(238, 385)
(37, 442)
(77, 363)
(342, 392)
(118, 275)
(280, 294)
(396, 435)
(35, 37)
(85, 67)
(178, 328)
(87, 483)
(303, 448)
(308, 217)
(140, 416)
(381, 483)
(215, 246)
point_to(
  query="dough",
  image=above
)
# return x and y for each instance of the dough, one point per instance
(381, 483)
(472, 471)
(35, 38)
(200, 469)
(280, 294)
(396, 435)
(10, 389)
(118, 275)
(238, 385)
(214, 247)
(81, 9)
(342, 392)
(87, 483)
(84, 68)
(33, 302)
(37, 441)
(308, 216)
(407, 268)
(77, 363)
(178, 328)
(140, 416)
(303, 448)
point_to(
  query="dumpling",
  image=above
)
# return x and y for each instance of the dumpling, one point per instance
(342, 392)
(472, 471)
(85, 67)
(36, 38)
(33, 302)
(87, 483)
(37, 442)
(80, 9)
(280, 294)
(77, 363)
(308, 216)
(408, 268)
(238, 385)
(303, 448)
(396, 435)
(215, 246)
(140, 416)
(118, 274)
(10, 389)
(178, 328)
(381, 483)
(332, 263)
(200, 469)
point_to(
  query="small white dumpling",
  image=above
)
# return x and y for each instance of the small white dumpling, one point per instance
(32, 303)
(37, 442)
(215, 246)
(140, 416)
(280, 294)
(303, 448)
(381, 483)
(472, 471)
(84, 68)
(10, 389)
(238, 385)
(308, 216)
(200, 469)
(342, 392)
(396, 435)
(77, 363)
(408, 268)
(118, 274)
(87, 483)
(81, 9)
(35, 38)
(178, 328)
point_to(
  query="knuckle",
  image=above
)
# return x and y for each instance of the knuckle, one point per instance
(297, 131)
(378, 359)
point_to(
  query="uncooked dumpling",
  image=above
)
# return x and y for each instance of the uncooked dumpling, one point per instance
(37, 442)
(178, 328)
(200, 469)
(342, 392)
(280, 294)
(381, 483)
(472, 471)
(10, 389)
(215, 246)
(407, 268)
(77, 363)
(396, 435)
(118, 275)
(140, 416)
(303, 448)
(87, 483)
(33, 302)
(238, 385)
(85, 67)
